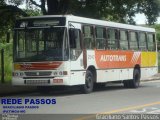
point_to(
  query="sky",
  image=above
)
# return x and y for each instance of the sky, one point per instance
(141, 19)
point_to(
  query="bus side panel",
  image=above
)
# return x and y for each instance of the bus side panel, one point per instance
(114, 75)
(149, 64)
(149, 59)
(124, 74)
(109, 75)
(116, 65)
(77, 77)
(77, 71)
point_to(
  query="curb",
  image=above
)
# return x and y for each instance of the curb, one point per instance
(151, 79)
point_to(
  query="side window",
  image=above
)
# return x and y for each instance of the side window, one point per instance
(151, 42)
(124, 40)
(100, 38)
(142, 41)
(112, 35)
(88, 37)
(133, 41)
(74, 36)
(75, 43)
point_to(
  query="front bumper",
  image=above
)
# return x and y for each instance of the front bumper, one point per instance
(20, 81)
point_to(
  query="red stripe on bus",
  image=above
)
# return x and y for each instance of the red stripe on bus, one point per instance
(40, 66)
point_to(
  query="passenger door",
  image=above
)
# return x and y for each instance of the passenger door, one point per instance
(75, 43)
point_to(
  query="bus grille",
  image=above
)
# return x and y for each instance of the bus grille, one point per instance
(38, 73)
(37, 82)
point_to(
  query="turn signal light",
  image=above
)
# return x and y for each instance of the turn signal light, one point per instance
(57, 80)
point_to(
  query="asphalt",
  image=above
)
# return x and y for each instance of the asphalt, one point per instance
(8, 89)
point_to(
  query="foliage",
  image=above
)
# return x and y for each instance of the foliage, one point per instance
(4, 46)
(151, 9)
(114, 10)
(9, 13)
(8, 61)
(33, 12)
(157, 27)
(119, 10)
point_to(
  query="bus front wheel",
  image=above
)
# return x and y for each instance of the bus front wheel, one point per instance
(88, 86)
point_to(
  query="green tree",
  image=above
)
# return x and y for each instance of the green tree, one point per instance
(114, 10)
(9, 12)
(151, 9)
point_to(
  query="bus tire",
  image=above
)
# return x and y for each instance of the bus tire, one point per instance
(135, 82)
(88, 86)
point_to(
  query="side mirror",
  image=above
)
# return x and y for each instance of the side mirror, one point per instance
(72, 38)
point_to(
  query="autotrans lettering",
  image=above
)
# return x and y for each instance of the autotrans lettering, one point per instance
(114, 58)
(117, 59)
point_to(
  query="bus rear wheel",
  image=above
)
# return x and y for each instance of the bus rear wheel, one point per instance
(135, 82)
(88, 86)
(136, 79)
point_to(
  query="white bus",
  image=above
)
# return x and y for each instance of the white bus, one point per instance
(66, 50)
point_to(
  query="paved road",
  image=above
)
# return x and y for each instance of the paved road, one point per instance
(112, 99)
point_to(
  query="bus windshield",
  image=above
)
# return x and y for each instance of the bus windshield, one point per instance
(40, 44)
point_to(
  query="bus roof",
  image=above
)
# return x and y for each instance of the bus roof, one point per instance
(72, 18)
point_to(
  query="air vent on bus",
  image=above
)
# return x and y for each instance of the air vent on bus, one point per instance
(37, 82)
(46, 73)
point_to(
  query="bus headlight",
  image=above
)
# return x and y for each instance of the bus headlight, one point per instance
(21, 74)
(18, 74)
(15, 74)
